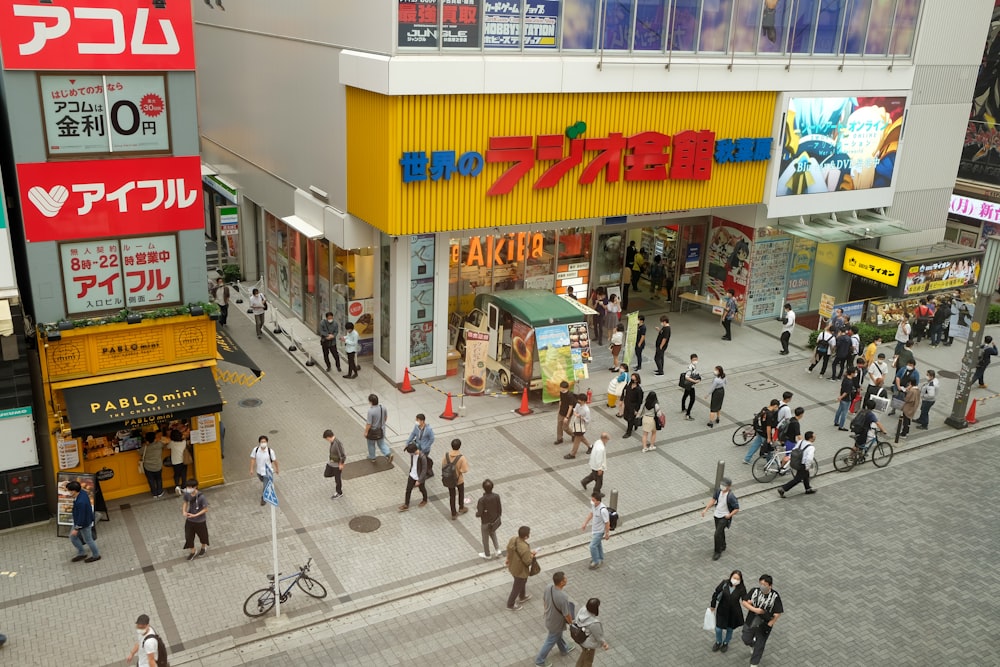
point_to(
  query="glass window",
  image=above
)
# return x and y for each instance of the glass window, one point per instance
(829, 25)
(617, 25)
(857, 26)
(385, 282)
(803, 27)
(684, 25)
(904, 27)
(579, 23)
(879, 27)
(309, 283)
(747, 26)
(539, 270)
(650, 21)
(715, 19)
(422, 249)
(773, 26)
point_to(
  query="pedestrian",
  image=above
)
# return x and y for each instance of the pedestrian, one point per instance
(668, 283)
(617, 340)
(598, 463)
(375, 429)
(600, 529)
(787, 327)
(518, 562)
(83, 524)
(262, 460)
(615, 387)
(640, 341)
(764, 423)
(877, 372)
(716, 394)
(638, 266)
(335, 462)
(147, 649)
(728, 313)
(152, 463)
(631, 401)
(839, 321)
(763, 605)
(422, 434)
(911, 405)
(417, 476)
(841, 353)
(489, 510)
(941, 319)
(578, 421)
(630, 253)
(258, 304)
(904, 357)
(350, 341)
(626, 285)
(726, 506)
(903, 330)
(728, 609)
(792, 434)
(928, 395)
(461, 464)
(569, 292)
(855, 344)
(662, 341)
(923, 316)
(557, 612)
(871, 350)
(195, 513)
(567, 401)
(221, 294)
(180, 458)
(613, 315)
(986, 350)
(902, 380)
(808, 446)
(599, 302)
(824, 343)
(656, 275)
(867, 421)
(691, 378)
(649, 418)
(587, 619)
(848, 391)
(328, 330)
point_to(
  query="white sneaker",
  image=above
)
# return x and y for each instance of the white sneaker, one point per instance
(177, 490)
(484, 556)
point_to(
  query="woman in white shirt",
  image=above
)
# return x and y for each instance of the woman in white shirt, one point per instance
(716, 396)
(178, 448)
(617, 339)
(614, 312)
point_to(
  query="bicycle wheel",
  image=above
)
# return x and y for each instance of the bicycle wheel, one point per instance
(881, 454)
(311, 587)
(764, 470)
(813, 468)
(743, 434)
(844, 459)
(259, 603)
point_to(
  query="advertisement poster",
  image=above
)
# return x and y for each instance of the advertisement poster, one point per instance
(69, 453)
(460, 23)
(765, 296)
(64, 499)
(418, 23)
(502, 24)
(579, 340)
(152, 272)
(692, 258)
(422, 257)
(853, 309)
(476, 346)
(522, 346)
(360, 314)
(17, 433)
(728, 260)
(284, 277)
(981, 150)
(203, 429)
(826, 305)
(421, 341)
(962, 314)
(92, 276)
(631, 333)
(800, 274)
(119, 113)
(946, 274)
(556, 360)
(835, 144)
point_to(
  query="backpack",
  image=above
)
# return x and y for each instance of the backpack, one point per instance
(795, 458)
(783, 428)
(860, 422)
(161, 649)
(760, 420)
(822, 345)
(578, 634)
(449, 473)
(612, 518)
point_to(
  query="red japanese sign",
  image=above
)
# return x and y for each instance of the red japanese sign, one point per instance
(102, 35)
(106, 198)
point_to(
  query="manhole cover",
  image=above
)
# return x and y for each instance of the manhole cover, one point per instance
(951, 375)
(364, 524)
(251, 403)
(761, 385)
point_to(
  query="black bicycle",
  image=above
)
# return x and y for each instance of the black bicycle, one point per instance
(262, 601)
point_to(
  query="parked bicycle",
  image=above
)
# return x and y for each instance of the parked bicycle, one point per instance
(262, 601)
(848, 457)
(743, 434)
(768, 466)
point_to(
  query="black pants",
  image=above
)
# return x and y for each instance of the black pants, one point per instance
(838, 362)
(458, 490)
(517, 590)
(192, 528)
(180, 474)
(410, 483)
(825, 358)
(720, 533)
(785, 335)
(638, 356)
(330, 346)
(801, 475)
(728, 325)
(757, 638)
(155, 480)
(625, 288)
(658, 359)
(338, 477)
(635, 279)
(594, 477)
(905, 431)
(687, 399)
(223, 313)
(352, 364)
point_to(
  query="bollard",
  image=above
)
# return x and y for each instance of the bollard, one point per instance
(720, 472)
(309, 359)
(613, 504)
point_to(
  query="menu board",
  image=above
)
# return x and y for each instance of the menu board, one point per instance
(69, 453)
(203, 429)
(477, 345)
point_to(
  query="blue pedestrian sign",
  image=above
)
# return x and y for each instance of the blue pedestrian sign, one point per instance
(269, 495)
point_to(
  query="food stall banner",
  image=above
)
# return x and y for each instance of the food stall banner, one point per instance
(579, 343)
(952, 273)
(522, 344)
(826, 305)
(631, 333)
(556, 359)
(477, 344)
(874, 267)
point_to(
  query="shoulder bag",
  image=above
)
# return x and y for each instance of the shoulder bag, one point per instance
(377, 432)
(534, 568)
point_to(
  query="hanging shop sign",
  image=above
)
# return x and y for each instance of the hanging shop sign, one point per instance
(490, 251)
(874, 267)
(101, 35)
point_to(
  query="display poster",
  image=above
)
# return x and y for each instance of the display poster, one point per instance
(692, 257)
(631, 334)
(476, 346)
(522, 345)
(502, 24)
(229, 220)
(203, 429)
(284, 277)
(421, 343)
(852, 309)
(69, 453)
(826, 305)
(360, 313)
(460, 21)
(765, 296)
(64, 497)
(295, 292)
(556, 360)
(579, 340)
(417, 21)
(945, 274)
(962, 315)
(92, 276)
(152, 271)
(17, 435)
(122, 113)
(800, 273)
(728, 261)
(422, 257)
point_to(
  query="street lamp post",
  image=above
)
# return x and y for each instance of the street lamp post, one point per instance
(989, 275)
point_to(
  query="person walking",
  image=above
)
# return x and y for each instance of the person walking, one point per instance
(691, 378)
(598, 463)
(640, 342)
(262, 457)
(728, 313)
(557, 610)
(824, 343)
(518, 562)
(350, 341)
(848, 391)
(147, 649)
(716, 394)
(417, 476)
(764, 423)
(195, 513)
(631, 401)
(152, 463)
(458, 488)
(83, 524)
(422, 434)
(787, 327)
(600, 529)
(728, 610)
(763, 605)
(726, 506)
(328, 330)
(180, 458)
(911, 405)
(489, 509)
(587, 619)
(221, 294)
(662, 341)
(928, 395)
(617, 340)
(375, 430)
(579, 419)
(649, 417)
(808, 446)
(567, 401)
(987, 350)
(336, 461)
(258, 305)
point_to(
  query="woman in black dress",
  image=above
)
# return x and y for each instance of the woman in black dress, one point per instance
(632, 401)
(728, 611)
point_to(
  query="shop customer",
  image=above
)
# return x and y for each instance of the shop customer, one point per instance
(152, 463)
(180, 458)
(83, 524)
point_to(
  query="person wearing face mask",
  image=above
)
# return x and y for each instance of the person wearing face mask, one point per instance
(691, 378)
(726, 506)
(263, 457)
(716, 394)
(422, 434)
(728, 610)
(631, 401)
(328, 331)
(903, 377)
(147, 648)
(763, 605)
(195, 512)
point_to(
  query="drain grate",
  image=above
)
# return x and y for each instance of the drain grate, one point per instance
(950, 375)
(761, 385)
(364, 524)
(251, 403)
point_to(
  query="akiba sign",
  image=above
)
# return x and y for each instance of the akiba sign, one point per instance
(98, 199)
(96, 35)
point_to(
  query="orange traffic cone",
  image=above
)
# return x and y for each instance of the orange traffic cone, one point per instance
(970, 416)
(448, 413)
(406, 388)
(524, 410)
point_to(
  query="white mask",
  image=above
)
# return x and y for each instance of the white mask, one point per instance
(189, 491)
(734, 581)
(140, 633)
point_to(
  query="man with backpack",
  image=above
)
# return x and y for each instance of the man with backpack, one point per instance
(800, 460)
(599, 519)
(862, 424)
(729, 313)
(150, 649)
(558, 611)
(453, 469)
(262, 459)
(764, 423)
(988, 349)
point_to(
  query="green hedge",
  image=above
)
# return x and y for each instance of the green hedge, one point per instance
(867, 333)
(994, 316)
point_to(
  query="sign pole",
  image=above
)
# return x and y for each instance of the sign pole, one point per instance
(274, 557)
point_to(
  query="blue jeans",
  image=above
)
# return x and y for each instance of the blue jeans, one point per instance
(382, 446)
(754, 446)
(597, 548)
(841, 417)
(936, 333)
(718, 635)
(925, 409)
(553, 639)
(88, 537)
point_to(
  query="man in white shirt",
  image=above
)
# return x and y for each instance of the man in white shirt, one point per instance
(808, 446)
(928, 394)
(258, 304)
(600, 523)
(350, 341)
(263, 457)
(787, 327)
(877, 371)
(598, 463)
(147, 649)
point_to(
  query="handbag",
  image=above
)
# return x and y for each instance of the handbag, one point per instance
(683, 382)
(854, 403)
(265, 305)
(330, 469)
(709, 623)
(534, 568)
(661, 420)
(377, 432)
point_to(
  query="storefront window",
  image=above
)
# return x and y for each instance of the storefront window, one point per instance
(539, 272)
(747, 27)
(904, 27)
(617, 25)
(828, 26)
(580, 19)
(715, 28)
(650, 17)
(857, 26)
(610, 256)
(573, 267)
(385, 283)
(310, 303)
(684, 26)
(879, 27)
(422, 300)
